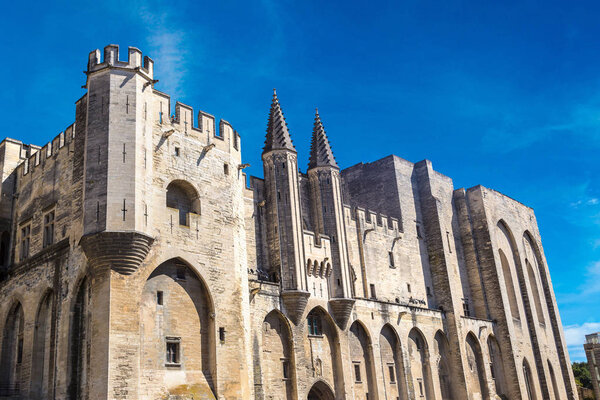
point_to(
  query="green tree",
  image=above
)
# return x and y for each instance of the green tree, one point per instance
(582, 374)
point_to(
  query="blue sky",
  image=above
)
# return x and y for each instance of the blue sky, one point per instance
(505, 95)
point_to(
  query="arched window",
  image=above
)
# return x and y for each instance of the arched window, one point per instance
(12, 351)
(528, 381)
(40, 365)
(510, 286)
(184, 197)
(535, 292)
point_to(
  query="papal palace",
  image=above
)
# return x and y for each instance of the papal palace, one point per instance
(138, 261)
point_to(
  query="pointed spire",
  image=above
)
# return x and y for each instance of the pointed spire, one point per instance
(320, 150)
(278, 136)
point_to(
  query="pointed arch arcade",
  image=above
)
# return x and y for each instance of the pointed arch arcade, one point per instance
(12, 351)
(278, 372)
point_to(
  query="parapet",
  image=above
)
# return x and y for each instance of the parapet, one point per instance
(111, 60)
(371, 219)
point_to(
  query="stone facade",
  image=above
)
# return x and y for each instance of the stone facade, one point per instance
(592, 352)
(137, 264)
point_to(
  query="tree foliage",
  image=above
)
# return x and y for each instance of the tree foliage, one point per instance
(582, 374)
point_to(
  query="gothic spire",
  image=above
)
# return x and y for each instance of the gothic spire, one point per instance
(320, 150)
(278, 136)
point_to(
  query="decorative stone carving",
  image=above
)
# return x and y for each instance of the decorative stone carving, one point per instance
(295, 303)
(122, 252)
(341, 309)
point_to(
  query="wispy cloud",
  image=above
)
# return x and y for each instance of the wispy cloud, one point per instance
(575, 338)
(168, 46)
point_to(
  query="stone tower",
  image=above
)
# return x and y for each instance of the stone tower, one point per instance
(284, 230)
(328, 217)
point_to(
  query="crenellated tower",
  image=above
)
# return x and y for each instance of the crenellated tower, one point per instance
(284, 232)
(118, 130)
(328, 217)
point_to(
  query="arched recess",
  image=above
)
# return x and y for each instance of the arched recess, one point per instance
(555, 388)
(12, 351)
(78, 341)
(497, 367)
(320, 391)
(444, 366)
(529, 385)
(184, 197)
(391, 361)
(538, 265)
(322, 349)
(277, 359)
(177, 332)
(535, 292)
(419, 384)
(362, 361)
(40, 355)
(509, 284)
(475, 372)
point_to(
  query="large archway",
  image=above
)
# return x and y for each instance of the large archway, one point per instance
(322, 349)
(320, 391)
(362, 361)
(277, 358)
(12, 352)
(475, 370)
(391, 360)
(40, 357)
(419, 370)
(176, 333)
(444, 371)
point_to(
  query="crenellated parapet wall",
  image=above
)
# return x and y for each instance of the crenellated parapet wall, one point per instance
(372, 220)
(135, 61)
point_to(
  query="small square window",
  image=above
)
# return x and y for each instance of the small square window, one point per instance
(391, 258)
(392, 372)
(314, 325)
(177, 151)
(226, 169)
(159, 298)
(48, 229)
(408, 287)
(466, 310)
(173, 354)
(373, 294)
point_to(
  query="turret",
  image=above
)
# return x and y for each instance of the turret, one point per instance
(284, 232)
(118, 108)
(328, 217)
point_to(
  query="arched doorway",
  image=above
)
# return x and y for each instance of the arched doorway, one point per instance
(320, 391)
(177, 332)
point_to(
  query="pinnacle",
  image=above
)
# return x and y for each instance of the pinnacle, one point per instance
(320, 149)
(278, 136)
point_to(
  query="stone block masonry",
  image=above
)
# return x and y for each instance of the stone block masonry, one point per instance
(135, 263)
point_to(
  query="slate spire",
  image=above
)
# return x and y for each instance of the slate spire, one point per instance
(278, 136)
(320, 150)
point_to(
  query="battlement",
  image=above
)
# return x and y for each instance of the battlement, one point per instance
(373, 220)
(35, 155)
(111, 60)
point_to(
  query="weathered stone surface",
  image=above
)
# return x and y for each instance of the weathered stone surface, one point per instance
(136, 264)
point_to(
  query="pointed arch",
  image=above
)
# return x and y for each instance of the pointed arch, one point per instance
(475, 369)
(420, 383)
(529, 385)
(362, 361)
(277, 359)
(12, 350)
(444, 366)
(324, 352)
(555, 388)
(40, 356)
(320, 390)
(392, 362)
(78, 340)
(177, 331)
(497, 367)
(535, 292)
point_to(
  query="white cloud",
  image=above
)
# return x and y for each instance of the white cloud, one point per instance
(575, 338)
